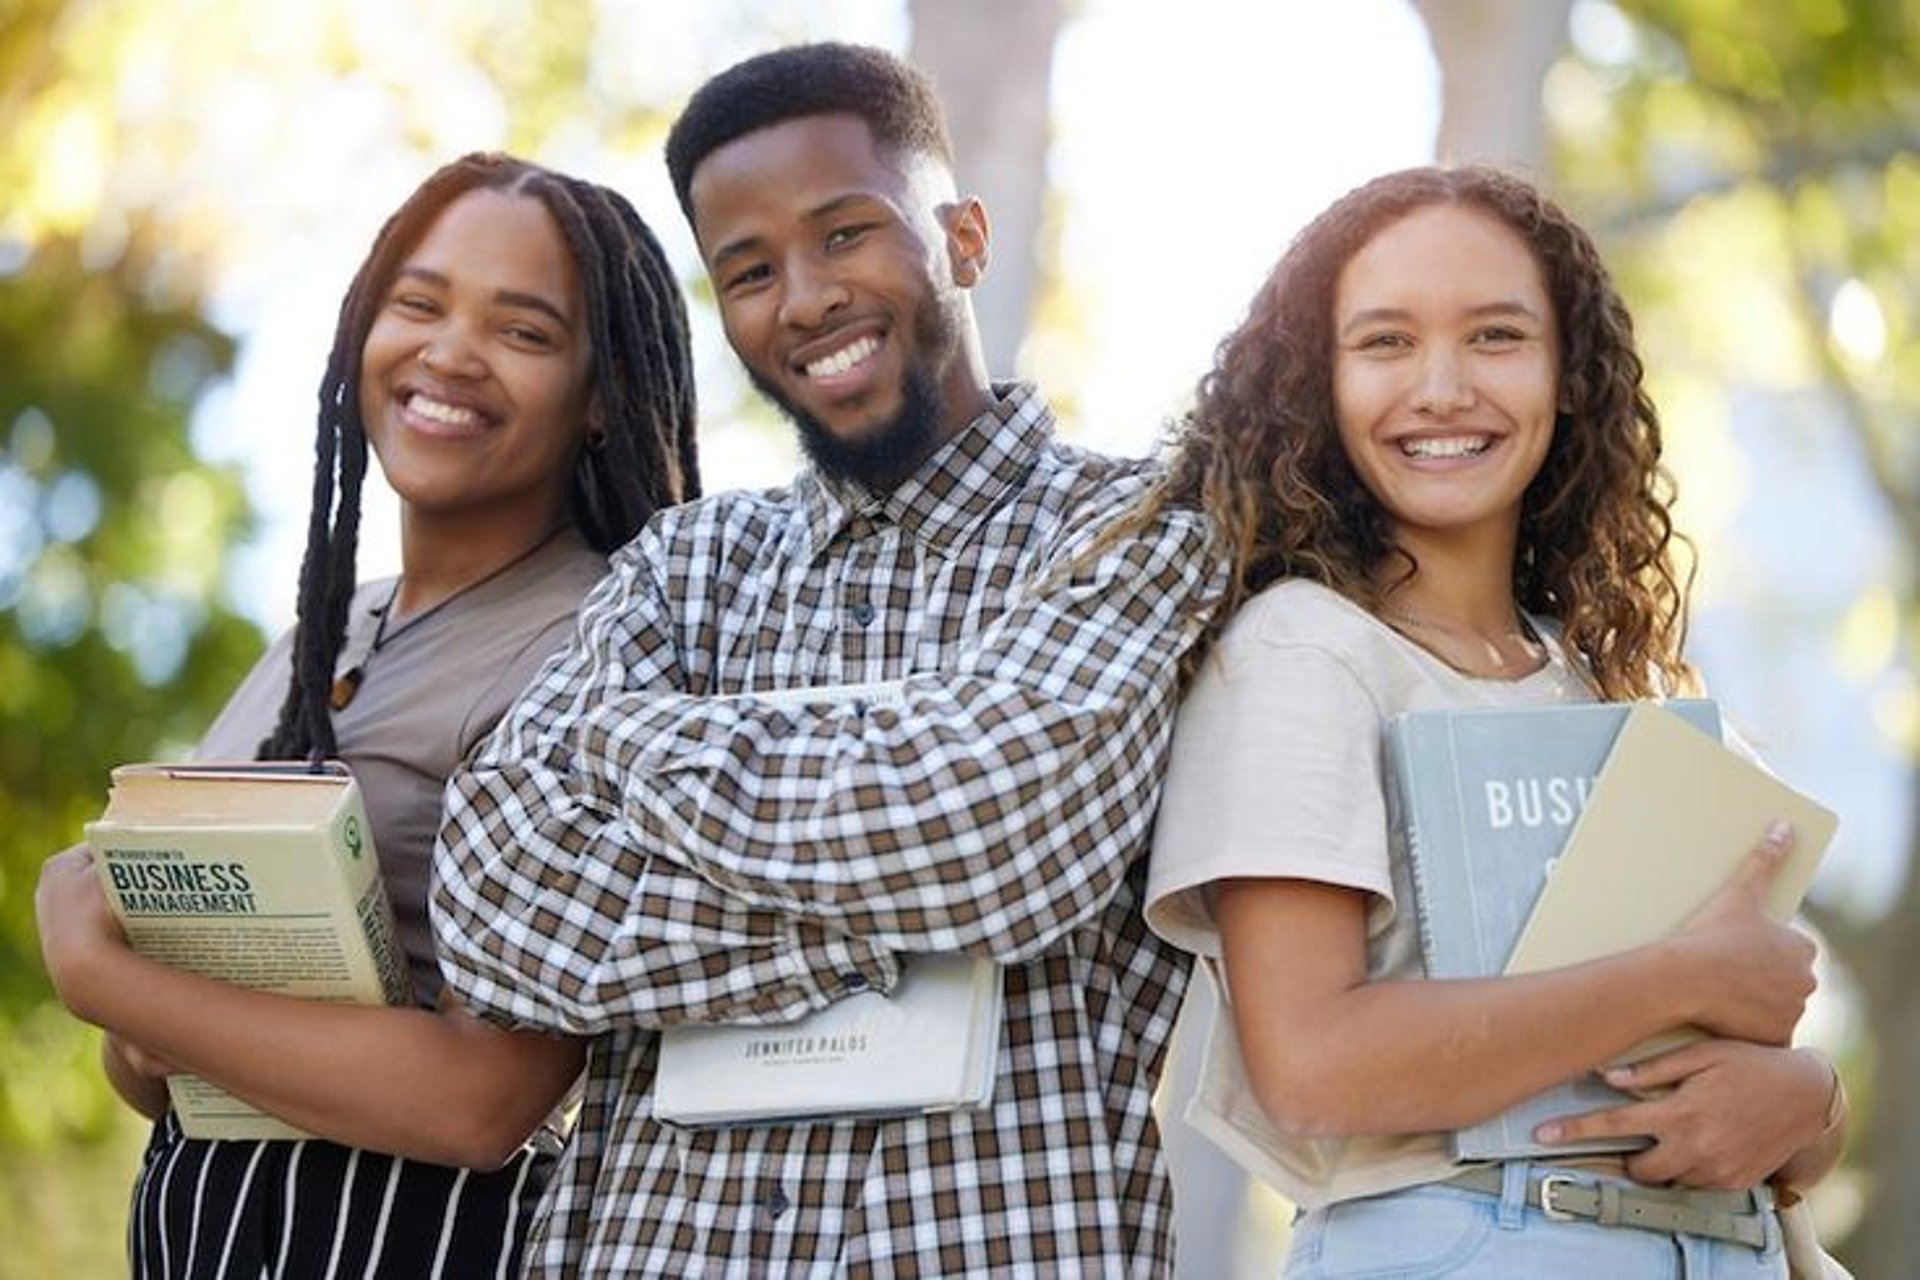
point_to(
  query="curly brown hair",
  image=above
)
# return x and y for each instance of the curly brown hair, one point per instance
(1260, 451)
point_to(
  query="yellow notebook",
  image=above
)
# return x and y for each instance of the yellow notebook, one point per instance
(1673, 814)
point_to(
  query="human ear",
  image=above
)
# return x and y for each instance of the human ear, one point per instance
(965, 223)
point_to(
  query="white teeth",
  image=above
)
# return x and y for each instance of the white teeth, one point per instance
(1446, 447)
(843, 359)
(434, 410)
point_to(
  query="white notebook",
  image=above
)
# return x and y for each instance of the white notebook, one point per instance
(932, 1045)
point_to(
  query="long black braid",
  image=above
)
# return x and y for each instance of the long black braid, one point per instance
(640, 455)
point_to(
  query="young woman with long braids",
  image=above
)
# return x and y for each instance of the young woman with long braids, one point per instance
(1429, 453)
(514, 351)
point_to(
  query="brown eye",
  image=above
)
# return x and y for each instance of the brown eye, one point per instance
(1384, 342)
(747, 277)
(528, 334)
(845, 237)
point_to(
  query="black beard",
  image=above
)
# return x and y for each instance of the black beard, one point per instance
(884, 456)
(892, 451)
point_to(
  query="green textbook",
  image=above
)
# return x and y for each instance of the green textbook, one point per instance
(262, 874)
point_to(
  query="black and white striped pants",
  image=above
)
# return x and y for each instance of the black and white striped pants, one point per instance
(290, 1210)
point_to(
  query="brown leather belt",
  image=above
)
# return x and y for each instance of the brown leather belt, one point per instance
(1739, 1216)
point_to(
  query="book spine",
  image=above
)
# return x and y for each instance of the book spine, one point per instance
(1406, 827)
(376, 921)
(373, 909)
(1434, 836)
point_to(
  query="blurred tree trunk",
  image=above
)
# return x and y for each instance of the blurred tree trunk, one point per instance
(992, 61)
(1494, 56)
(1886, 1242)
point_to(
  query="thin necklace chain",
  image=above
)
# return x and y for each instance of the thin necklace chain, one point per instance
(348, 682)
(1522, 629)
(1501, 663)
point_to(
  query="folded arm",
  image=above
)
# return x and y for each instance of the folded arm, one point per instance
(992, 808)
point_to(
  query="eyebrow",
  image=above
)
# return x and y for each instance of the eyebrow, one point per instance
(504, 297)
(1379, 315)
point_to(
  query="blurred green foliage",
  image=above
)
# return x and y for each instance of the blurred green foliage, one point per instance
(1754, 170)
(114, 642)
(1794, 128)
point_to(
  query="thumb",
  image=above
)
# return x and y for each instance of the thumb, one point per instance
(1763, 862)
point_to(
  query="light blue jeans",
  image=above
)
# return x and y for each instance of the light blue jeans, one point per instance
(1438, 1230)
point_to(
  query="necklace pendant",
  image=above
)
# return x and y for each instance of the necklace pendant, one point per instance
(345, 685)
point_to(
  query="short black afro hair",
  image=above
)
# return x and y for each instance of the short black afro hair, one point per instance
(894, 98)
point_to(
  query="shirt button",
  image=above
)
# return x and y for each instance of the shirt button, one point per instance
(863, 613)
(854, 981)
(775, 1202)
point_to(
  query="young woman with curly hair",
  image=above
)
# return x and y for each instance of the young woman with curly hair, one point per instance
(1429, 452)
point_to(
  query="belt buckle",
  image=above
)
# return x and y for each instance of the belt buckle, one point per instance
(1549, 1184)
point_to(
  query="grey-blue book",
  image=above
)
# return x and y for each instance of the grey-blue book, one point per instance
(1481, 802)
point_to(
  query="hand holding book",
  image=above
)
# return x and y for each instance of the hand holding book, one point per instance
(1757, 971)
(1544, 837)
(77, 928)
(1729, 1112)
(1666, 844)
(931, 1045)
(259, 874)
(74, 920)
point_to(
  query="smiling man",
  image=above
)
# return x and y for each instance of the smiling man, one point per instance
(646, 843)
(842, 277)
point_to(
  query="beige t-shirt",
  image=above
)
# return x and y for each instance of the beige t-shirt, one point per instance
(1277, 770)
(437, 685)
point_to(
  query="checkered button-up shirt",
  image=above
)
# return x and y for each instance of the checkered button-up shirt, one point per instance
(637, 847)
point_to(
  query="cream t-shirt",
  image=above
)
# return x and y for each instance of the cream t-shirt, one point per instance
(1278, 771)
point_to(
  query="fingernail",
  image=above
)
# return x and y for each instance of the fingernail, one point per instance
(1618, 1077)
(1547, 1133)
(1778, 832)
